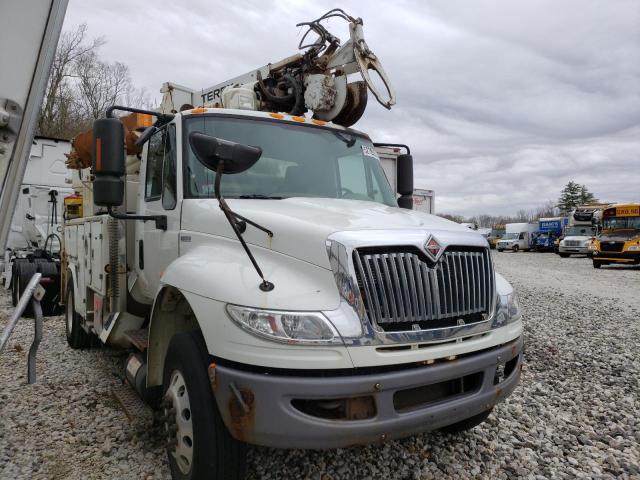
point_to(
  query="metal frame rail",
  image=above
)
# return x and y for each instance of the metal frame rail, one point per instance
(34, 293)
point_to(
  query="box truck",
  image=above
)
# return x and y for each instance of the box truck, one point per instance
(518, 236)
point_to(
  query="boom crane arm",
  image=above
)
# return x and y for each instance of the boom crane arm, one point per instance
(313, 80)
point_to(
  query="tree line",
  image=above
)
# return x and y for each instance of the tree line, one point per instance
(571, 196)
(82, 85)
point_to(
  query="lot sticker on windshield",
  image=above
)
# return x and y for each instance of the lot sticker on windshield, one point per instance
(369, 152)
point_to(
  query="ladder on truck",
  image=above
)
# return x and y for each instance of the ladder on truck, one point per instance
(33, 293)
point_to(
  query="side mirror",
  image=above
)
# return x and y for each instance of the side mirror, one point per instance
(108, 162)
(404, 179)
(236, 157)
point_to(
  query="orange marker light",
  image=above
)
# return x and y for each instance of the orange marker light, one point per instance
(298, 119)
(279, 116)
(318, 122)
(199, 110)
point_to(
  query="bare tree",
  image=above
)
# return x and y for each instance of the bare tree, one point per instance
(58, 113)
(100, 84)
(82, 86)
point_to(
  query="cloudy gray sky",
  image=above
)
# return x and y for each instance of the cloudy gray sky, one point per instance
(503, 102)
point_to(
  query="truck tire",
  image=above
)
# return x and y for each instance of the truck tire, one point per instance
(25, 271)
(468, 423)
(516, 248)
(14, 284)
(76, 335)
(50, 300)
(501, 250)
(201, 446)
(597, 264)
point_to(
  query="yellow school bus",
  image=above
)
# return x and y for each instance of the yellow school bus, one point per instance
(497, 232)
(619, 240)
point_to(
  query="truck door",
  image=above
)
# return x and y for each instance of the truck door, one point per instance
(157, 248)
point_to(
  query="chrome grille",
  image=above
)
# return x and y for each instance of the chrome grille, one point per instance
(572, 243)
(401, 286)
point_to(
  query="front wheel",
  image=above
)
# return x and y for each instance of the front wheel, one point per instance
(199, 444)
(597, 264)
(76, 335)
(516, 248)
(468, 423)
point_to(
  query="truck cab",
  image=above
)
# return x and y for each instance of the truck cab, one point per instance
(549, 231)
(578, 235)
(380, 321)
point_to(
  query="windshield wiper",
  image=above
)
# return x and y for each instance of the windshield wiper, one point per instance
(258, 196)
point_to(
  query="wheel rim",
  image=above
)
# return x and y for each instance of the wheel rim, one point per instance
(69, 313)
(179, 423)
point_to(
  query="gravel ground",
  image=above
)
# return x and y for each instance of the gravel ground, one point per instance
(575, 415)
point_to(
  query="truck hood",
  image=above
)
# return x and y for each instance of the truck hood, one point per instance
(301, 226)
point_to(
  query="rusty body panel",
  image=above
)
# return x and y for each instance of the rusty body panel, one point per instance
(261, 409)
(243, 415)
(82, 151)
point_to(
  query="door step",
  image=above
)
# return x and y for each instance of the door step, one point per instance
(138, 338)
(134, 408)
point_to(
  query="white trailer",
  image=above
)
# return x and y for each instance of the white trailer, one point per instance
(35, 234)
(35, 216)
(424, 200)
(518, 236)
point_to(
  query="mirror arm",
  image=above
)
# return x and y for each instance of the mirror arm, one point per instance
(230, 215)
(162, 117)
(161, 220)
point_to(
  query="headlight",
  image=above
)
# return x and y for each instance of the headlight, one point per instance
(508, 310)
(586, 243)
(634, 248)
(283, 326)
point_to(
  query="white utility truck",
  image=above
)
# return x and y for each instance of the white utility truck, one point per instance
(36, 228)
(581, 230)
(518, 236)
(270, 290)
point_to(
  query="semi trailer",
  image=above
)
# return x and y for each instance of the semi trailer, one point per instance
(36, 227)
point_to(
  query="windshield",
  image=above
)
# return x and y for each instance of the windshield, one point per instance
(621, 223)
(510, 236)
(296, 161)
(577, 231)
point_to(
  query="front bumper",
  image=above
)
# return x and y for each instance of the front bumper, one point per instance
(576, 250)
(257, 407)
(618, 257)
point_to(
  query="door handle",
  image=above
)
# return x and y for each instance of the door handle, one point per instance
(141, 254)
